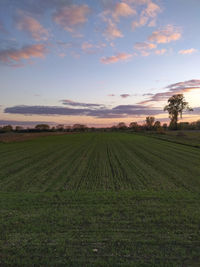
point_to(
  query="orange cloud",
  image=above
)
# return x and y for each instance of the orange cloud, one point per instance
(12, 56)
(187, 51)
(176, 88)
(32, 27)
(116, 58)
(71, 16)
(166, 35)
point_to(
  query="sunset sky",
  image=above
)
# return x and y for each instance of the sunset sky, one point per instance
(97, 62)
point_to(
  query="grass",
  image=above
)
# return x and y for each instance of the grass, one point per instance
(111, 161)
(100, 229)
(190, 138)
(106, 199)
(20, 137)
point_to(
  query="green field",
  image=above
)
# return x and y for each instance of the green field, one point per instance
(99, 199)
(190, 138)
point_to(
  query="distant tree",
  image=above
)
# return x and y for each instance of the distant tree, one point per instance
(134, 126)
(183, 126)
(121, 126)
(19, 128)
(79, 127)
(176, 106)
(198, 124)
(60, 127)
(164, 126)
(68, 128)
(7, 128)
(157, 125)
(150, 122)
(113, 128)
(42, 127)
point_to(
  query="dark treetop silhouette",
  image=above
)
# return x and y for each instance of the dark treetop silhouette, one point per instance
(176, 106)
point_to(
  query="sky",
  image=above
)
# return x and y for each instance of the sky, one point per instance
(97, 62)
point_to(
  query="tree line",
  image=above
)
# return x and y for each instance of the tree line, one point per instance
(176, 106)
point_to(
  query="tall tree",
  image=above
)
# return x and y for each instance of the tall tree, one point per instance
(134, 126)
(176, 106)
(150, 122)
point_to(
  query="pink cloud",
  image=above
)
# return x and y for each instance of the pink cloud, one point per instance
(86, 46)
(152, 10)
(187, 51)
(71, 16)
(138, 2)
(90, 48)
(123, 10)
(144, 48)
(116, 58)
(160, 51)
(112, 14)
(32, 27)
(176, 88)
(112, 31)
(148, 15)
(13, 56)
(165, 35)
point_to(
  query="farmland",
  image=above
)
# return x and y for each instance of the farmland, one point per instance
(99, 198)
(191, 138)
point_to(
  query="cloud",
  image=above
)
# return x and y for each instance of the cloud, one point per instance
(125, 95)
(13, 56)
(151, 10)
(148, 15)
(38, 7)
(123, 10)
(120, 111)
(161, 51)
(23, 123)
(111, 95)
(187, 51)
(147, 94)
(75, 104)
(196, 111)
(165, 35)
(112, 14)
(112, 31)
(176, 88)
(116, 58)
(92, 48)
(72, 16)
(31, 26)
(86, 46)
(144, 47)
